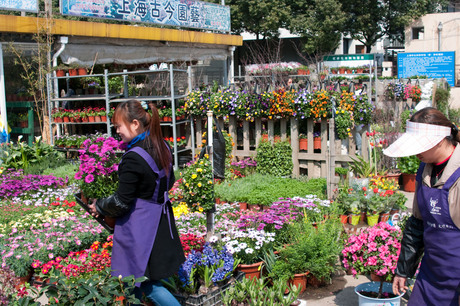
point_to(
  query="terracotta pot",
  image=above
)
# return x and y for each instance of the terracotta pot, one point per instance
(73, 72)
(60, 73)
(344, 219)
(300, 280)
(72, 119)
(103, 118)
(317, 143)
(251, 271)
(302, 72)
(334, 71)
(322, 77)
(303, 144)
(408, 182)
(91, 118)
(65, 119)
(363, 216)
(359, 70)
(393, 177)
(384, 217)
(84, 119)
(243, 205)
(58, 119)
(97, 119)
(81, 71)
(316, 282)
(24, 279)
(342, 70)
(349, 71)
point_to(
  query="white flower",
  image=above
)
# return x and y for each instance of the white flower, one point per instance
(249, 251)
(213, 239)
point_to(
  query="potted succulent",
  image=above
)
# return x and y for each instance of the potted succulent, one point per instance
(408, 166)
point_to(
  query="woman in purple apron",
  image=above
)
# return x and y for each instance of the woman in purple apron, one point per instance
(434, 228)
(145, 242)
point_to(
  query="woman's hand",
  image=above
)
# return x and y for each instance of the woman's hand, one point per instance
(92, 208)
(399, 285)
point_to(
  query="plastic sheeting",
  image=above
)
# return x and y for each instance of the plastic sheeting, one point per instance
(89, 51)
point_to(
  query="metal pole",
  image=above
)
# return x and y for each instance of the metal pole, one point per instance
(210, 214)
(2, 95)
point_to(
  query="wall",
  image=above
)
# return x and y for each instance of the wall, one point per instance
(449, 36)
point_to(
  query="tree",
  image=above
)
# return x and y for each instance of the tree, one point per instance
(319, 23)
(259, 17)
(370, 20)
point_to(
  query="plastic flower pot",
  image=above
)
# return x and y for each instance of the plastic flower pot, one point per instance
(353, 219)
(374, 287)
(372, 219)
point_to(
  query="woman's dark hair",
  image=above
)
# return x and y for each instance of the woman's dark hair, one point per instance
(431, 115)
(132, 109)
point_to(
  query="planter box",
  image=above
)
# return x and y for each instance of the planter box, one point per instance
(212, 298)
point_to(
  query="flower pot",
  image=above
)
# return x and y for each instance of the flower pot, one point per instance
(81, 71)
(359, 70)
(58, 119)
(90, 118)
(353, 219)
(303, 144)
(316, 282)
(393, 177)
(299, 280)
(97, 119)
(344, 219)
(342, 70)
(60, 73)
(372, 219)
(65, 119)
(84, 119)
(251, 271)
(408, 182)
(363, 216)
(384, 217)
(243, 205)
(24, 124)
(254, 207)
(217, 200)
(317, 143)
(374, 287)
(73, 72)
(72, 119)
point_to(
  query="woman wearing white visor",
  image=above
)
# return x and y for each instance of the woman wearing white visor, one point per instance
(433, 229)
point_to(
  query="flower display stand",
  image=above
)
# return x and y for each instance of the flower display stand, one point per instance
(212, 298)
(374, 287)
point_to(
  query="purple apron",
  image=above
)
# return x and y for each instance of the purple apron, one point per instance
(135, 232)
(439, 273)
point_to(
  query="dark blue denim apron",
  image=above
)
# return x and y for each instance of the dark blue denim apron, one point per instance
(439, 273)
(135, 232)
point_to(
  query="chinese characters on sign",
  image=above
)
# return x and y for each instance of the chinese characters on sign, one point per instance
(190, 13)
(431, 64)
(19, 5)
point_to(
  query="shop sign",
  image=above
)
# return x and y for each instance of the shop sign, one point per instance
(190, 13)
(19, 5)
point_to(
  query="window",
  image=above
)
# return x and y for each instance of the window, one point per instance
(360, 49)
(417, 33)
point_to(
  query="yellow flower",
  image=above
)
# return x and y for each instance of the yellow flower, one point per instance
(199, 170)
(199, 184)
(194, 176)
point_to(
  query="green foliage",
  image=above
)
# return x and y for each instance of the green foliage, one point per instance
(266, 189)
(442, 99)
(274, 159)
(360, 167)
(409, 164)
(260, 292)
(66, 170)
(98, 289)
(310, 249)
(23, 156)
(405, 115)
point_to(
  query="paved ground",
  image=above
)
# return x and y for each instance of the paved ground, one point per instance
(341, 290)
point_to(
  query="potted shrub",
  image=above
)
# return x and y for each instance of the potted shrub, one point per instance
(374, 250)
(408, 166)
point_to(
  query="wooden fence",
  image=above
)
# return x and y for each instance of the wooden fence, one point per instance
(312, 162)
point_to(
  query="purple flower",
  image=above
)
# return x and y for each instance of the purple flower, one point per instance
(89, 178)
(78, 175)
(93, 148)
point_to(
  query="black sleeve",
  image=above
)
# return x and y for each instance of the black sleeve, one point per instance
(412, 248)
(112, 206)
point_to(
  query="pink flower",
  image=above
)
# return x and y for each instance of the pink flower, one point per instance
(89, 178)
(78, 175)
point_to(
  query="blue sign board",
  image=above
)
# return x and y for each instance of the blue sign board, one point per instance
(19, 5)
(182, 13)
(432, 64)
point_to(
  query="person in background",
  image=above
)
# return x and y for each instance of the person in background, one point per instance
(145, 241)
(433, 229)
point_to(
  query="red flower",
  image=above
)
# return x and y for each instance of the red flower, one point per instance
(376, 190)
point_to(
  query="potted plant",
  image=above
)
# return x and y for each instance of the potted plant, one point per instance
(408, 166)
(23, 120)
(303, 142)
(342, 69)
(374, 250)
